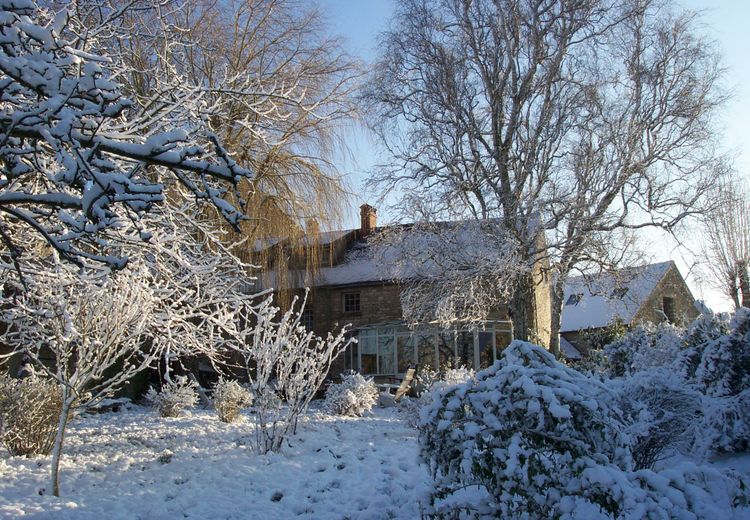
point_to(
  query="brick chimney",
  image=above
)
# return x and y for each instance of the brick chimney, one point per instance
(312, 228)
(369, 216)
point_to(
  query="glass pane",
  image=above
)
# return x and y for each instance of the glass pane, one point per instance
(348, 365)
(485, 349)
(446, 352)
(405, 353)
(502, 340)
(426, 352)
(465, 349)
(369, 354)
(385, 354)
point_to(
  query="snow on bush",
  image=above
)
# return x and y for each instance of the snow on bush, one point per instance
(518, 435)
(724, 426)
(660, 413)
(429, 384)
(175, 397)
(646, 346)
(531, 438)
(354, 395)
(716, 359)
(724, 367)
(29, 413)
(229, 398)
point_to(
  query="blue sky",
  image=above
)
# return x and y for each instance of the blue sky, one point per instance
(726, 21)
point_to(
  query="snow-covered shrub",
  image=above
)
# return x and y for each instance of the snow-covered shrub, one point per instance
(229, 398)
(354, 395)
(175, 397)
(724, 426)
(429, 383)
(660, 413)
(646, 346)
(531, 438)
(286, 365)
(704, 330)
(29, 413)
(518, 435)
(724, 366)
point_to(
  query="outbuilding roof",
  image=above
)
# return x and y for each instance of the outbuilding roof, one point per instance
(598, 300)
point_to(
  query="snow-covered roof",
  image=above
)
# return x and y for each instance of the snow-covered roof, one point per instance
(322, 239)
(402, 257)
(596, 301)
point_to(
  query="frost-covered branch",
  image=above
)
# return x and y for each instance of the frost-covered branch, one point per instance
(71, 169)
(286, 365)
(449, 272)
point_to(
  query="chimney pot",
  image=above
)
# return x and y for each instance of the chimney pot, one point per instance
(369, 219)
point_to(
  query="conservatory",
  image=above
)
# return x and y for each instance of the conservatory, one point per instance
(388, 349)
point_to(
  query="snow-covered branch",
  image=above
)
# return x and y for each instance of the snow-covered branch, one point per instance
(70, 168)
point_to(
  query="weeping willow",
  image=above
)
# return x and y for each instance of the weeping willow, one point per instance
(267, 79)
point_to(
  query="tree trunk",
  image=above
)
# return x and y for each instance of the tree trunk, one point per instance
(59, 440)
(521, 309)
(556, 317)
(744, 276)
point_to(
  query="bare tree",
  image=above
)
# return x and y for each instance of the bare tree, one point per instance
(727, 250)
(577, 120)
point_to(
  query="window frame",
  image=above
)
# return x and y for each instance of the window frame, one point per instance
(350, 297)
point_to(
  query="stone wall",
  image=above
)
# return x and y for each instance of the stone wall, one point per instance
(672, 285)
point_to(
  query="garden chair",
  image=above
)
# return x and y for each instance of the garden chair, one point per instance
(386, 398)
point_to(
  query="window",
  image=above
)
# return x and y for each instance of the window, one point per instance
(502, 340)
(465, 349)
(368, 352)
(351, 303)
(667, 305)
(486, 357)
(426, 351)
(574, 299)
(405, 353)
(446, 350)
(306, 319)
(619, 293)
(386, 352)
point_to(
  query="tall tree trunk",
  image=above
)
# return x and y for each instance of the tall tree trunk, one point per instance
(522, 309)
(744, 276)
(557, 293)
(59, 440)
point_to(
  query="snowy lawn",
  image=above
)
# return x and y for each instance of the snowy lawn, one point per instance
(134, 464)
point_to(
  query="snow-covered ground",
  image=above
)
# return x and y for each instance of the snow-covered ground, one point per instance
(134, 464)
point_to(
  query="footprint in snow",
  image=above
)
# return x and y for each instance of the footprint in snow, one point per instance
(277, 496)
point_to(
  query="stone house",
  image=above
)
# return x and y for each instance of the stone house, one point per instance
(652, 293)
(350, 288)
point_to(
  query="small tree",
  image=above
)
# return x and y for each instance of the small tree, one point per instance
(86, 332)
(286, 365)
